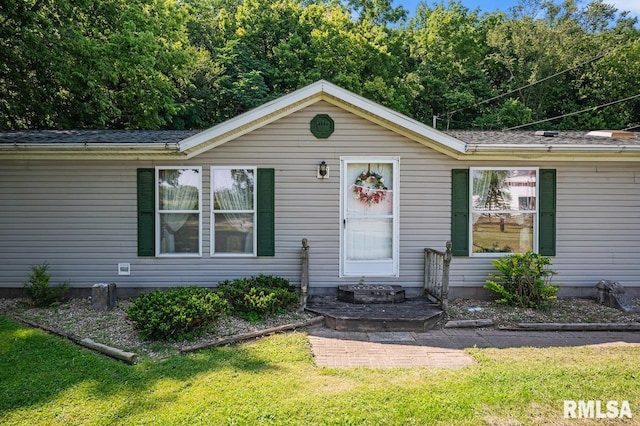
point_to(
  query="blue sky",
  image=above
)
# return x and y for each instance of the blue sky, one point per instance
(632, 6)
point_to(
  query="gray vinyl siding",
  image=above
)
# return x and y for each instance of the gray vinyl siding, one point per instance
(597, 226)
(81, 216)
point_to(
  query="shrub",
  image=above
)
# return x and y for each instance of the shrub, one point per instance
(256, 298)
(524, 280)
(38, 287)
(176, 314)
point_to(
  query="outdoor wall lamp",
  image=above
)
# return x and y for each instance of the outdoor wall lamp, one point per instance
(323, 171)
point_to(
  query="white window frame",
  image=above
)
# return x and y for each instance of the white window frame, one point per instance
(212, 232)
(159, 212)
(535, 212)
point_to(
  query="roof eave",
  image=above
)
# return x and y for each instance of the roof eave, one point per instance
(89, 151)
(572, 152)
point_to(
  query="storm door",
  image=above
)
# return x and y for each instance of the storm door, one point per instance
(369, 206)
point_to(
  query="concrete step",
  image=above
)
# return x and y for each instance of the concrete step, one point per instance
(417, 315)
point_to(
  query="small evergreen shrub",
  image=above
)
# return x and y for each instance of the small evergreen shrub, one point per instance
(523, 280)
(38, 288)
(179, 313)
(256, 298)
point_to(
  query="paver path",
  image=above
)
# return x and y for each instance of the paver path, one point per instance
(440, 348)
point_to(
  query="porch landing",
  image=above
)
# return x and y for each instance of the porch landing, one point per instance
(417, 315)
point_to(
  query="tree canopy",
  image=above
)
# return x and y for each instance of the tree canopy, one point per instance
(154, 64)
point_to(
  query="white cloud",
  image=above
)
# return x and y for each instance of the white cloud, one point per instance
(632, 6)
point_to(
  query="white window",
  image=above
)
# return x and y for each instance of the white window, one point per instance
(504, 210)
(233, 211)
(178, 210)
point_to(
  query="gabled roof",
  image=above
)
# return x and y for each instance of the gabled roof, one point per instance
(169, 144)
(321, 91)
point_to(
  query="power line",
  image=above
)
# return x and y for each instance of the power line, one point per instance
(577, 112)
(525, 86)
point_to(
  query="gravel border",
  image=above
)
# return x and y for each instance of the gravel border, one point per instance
(76, 320)
(564, 310)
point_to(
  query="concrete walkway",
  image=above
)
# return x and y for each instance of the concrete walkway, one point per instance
(441, 347)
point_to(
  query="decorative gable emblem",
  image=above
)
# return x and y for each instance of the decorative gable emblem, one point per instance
(322, 126)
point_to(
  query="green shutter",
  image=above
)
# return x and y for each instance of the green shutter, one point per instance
(146, 212)
(460, 212)
(547, 213)
(266, 212)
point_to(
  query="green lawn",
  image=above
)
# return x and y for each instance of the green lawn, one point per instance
(48, 380)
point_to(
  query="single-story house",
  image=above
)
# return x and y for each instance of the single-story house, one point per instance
(367, 187)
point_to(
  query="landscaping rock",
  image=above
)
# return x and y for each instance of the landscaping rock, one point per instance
(469, 323)
(612, 294)
(103, 297)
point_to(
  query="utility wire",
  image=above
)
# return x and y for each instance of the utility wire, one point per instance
(577, 112)
(524, 87)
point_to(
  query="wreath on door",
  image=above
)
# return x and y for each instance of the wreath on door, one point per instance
(369, 188)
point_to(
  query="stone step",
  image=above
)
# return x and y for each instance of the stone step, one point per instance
(369, 293)
(417, 315)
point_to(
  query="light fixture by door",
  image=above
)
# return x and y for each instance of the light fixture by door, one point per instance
(322, 171)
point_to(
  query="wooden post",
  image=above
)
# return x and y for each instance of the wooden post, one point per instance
(425, 289)
(304, 274)
(445, 276)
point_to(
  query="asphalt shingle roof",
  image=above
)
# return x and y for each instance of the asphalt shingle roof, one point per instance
(530, 138)
(94, 136)
(174, 136)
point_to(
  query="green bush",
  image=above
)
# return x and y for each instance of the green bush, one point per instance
(256, 298)
(176, 314)
(38, 287)
(523, 280)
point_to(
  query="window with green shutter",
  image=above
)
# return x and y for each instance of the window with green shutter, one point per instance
(502, 210)
(460, 212)
(146, 212)
(266, 212)
(547, 215)
(242, 215)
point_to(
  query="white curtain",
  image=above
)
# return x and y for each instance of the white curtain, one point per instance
(231, 199)
(233, 194)
(177, 198)
(481, 185)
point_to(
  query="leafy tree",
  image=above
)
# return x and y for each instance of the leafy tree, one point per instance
(117, 64)
(378, 12)
(195, 63)
(512, 113)
(447, 49)
(613, 78)
(545, 59)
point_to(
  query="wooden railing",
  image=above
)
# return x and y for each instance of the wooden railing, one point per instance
(304, 274)
(436, 274)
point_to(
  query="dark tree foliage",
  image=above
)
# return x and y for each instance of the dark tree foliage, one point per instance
(193, 63)
(86, 63)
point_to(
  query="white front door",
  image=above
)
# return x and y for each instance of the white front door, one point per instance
(369, 205)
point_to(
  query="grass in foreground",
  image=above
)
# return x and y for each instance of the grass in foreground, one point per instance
(47, 380)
